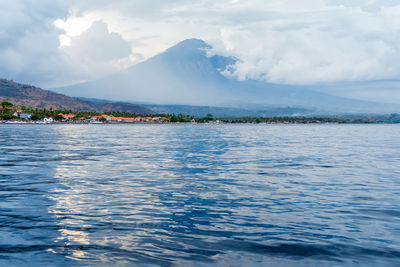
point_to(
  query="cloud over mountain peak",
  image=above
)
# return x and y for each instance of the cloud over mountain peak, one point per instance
(288, 42)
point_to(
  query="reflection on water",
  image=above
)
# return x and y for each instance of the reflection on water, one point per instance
(183, 194)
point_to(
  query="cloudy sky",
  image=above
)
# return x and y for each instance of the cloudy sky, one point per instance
(53, 43)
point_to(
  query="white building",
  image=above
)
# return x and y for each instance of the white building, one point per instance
(25, 116)
(48, 120)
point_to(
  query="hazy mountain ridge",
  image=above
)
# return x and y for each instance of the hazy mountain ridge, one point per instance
(28, 95)
(185, 75)
(227, 112)
(219, 112)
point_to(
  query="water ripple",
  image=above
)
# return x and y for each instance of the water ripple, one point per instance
(184, 195)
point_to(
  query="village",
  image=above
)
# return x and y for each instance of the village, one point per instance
(10, 113)
(107, 118)
(21, 117)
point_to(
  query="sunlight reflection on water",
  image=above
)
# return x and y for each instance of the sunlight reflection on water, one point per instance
(179, 194)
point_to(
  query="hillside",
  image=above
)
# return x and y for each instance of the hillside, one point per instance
(31, 96)
(220, 112)
(185, 75)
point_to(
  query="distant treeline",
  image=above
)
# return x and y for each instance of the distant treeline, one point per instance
(7, 110)
(392, 118)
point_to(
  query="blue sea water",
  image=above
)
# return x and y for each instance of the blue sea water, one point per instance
(200, 195)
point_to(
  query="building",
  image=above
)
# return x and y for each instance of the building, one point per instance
(48, 120)
(67, 117)
(122, 119)
(25, 116)
(105, 116)
(117, 119)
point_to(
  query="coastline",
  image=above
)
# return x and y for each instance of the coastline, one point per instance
(187, 123)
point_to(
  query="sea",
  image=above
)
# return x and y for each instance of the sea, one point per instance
(200, 195)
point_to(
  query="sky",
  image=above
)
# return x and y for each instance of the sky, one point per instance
(52, 43)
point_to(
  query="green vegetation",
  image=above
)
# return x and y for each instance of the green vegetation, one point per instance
(35, 117)
(178, 118)
(208, 118)
(393, 118)
(8, 117)
(7, 111)
(6, 104)
(58, 118)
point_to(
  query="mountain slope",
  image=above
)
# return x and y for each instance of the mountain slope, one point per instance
(27, 95)
(181, 75)
(185, 75)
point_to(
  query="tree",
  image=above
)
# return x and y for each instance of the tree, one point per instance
(58, 117)
(208, 117)
(6, 110)
(35, 117)
(9, 117)
(6, 104)
(173, 118)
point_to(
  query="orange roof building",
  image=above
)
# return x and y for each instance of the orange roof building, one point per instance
(67, 116)
(122, 119)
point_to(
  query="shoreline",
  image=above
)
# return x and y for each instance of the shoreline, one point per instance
(186, 123)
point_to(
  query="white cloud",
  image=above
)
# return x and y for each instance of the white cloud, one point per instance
(299, 42)
(29, 41)
(30, 50)
(332, 43)
(98, 52)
